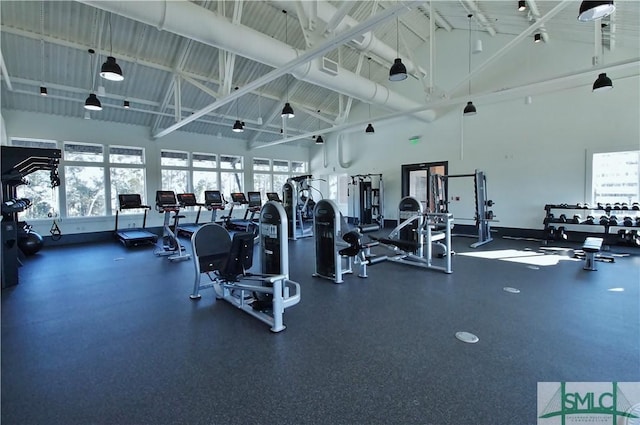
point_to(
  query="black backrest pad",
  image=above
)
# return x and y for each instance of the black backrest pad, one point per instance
(132, 200)
(211, 245)
(240, 255)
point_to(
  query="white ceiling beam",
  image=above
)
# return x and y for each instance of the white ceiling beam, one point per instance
(321, 49)
(5, 73)
(472, 7)
(177, 101)
(535, 14)
(201, 86)
(338, 16)
(567, 81)
(526, 33)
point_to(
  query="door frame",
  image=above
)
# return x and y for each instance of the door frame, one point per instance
(406, 170)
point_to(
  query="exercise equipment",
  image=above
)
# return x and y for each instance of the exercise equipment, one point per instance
(417, 234)
(360, 251)
(327, 231)
(483, 216)
(133, 237)
(166, 203)
(590, 247)
(214, 202)
(367, 194)
(273, 196)
(247, 223)
(188, 200)
(226, 261)
(29, 242)
(297, 199)
(16, 164)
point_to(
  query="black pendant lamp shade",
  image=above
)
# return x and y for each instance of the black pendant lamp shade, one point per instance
(93, 103)
(238, 127)
(319, 140)
(287, 111)
(522, 5)
(592, 10)
(370, 129)
(469, 109)
(111, 70)
(43, 91)
(602, 83)
(398, 71)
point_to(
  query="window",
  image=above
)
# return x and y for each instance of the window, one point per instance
(174, 171)
(44, 199)
(298, 167)
(262, 181)
(231, 181)
(280, 166)
(128, 176)
(616, 177)
(84, 179)
(205, 174)
(278, 181)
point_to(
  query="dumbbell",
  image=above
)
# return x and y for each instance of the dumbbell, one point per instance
(622, 235)
(590, 220)
(549, 233)
(638, 221)
(635, 239)
(563, 218)
(613, 220)
(635, 206)
(600, 206)
(576, 219)
(617, 206)
(604, 220)
(560, 234)
(625, 206)
(628, 221)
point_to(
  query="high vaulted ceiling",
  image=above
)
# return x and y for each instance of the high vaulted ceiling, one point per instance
(182, 60)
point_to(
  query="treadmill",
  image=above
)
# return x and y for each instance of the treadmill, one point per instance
(139, 236)
(189, 200)
(248, 223)
(273, 196)
(214, 202)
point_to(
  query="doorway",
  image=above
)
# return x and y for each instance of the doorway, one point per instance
(415, 182)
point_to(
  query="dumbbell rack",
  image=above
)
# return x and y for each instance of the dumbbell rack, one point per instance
(630, 234)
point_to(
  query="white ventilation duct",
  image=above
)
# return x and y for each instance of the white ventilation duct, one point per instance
(367, 42)
(194, 22)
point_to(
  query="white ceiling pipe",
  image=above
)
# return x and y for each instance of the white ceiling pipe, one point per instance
(367, 43)
(192, 21)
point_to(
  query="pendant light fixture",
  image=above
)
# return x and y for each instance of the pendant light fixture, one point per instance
(522, 5)
(319, 139)
(369, 129)
(43, 88)
(602, 83)
(398, 71)
(110, 69)
(469, 109)
(537, 37)
(287, 111)
(92, 102)
(592, 10)
(238, 126)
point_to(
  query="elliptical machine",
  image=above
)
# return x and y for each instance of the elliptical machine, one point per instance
(167, 203)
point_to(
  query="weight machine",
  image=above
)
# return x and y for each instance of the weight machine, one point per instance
(367, 196)
(167, 203)
(416, 234)
(328, 223)
(225, 261)
(483, 216)
(299, 205)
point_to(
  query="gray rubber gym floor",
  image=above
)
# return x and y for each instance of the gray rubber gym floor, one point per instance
(101, 334)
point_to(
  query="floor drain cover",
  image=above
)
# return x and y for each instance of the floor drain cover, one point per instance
(511, 290)
(467, 337)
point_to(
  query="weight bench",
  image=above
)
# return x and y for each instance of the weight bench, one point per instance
(361, 251)
(591, 247)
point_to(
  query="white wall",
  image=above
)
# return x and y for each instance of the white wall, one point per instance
(41, 126)
(531, 154)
